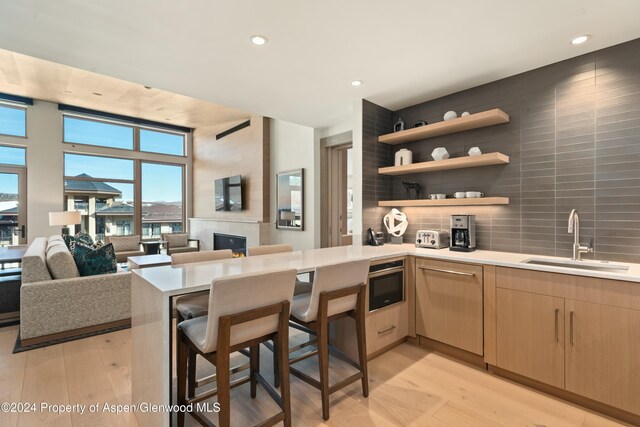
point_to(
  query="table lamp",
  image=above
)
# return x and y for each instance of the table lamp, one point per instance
(64, 219)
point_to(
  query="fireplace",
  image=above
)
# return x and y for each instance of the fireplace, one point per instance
(237, 244)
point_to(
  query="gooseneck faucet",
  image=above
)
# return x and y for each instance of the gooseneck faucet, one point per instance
(574, 227)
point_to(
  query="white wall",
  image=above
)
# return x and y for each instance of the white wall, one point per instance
(292, 147)
(45, 185)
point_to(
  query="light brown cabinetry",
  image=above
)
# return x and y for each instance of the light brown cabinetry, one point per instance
(386, 326)
(554, 328)
(603, 353)
(449, 299)
(530, 335)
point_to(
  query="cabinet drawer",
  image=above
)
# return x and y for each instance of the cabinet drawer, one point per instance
(449, 303)
(386, 326)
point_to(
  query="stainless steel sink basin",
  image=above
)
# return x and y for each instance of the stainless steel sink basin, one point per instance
(580, 265)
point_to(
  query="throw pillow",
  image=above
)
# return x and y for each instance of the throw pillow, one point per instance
(81, 237)
(84, 238)
(91, 261)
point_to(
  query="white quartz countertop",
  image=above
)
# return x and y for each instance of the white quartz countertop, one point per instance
(198, 276)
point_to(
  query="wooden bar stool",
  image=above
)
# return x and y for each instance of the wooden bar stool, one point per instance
(338, 292)
(196, 305)
(302, 287)
(241, 315)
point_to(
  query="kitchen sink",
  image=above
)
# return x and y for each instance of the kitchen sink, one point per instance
(580, 265)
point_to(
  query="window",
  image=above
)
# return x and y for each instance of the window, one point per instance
(131, 192)
(93, 132)
(97, 167)
(162, 201)
(161, 142)
(13, 156)
(107, 207)
(13, 120)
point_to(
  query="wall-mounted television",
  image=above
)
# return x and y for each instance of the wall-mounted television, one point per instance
(229, 194)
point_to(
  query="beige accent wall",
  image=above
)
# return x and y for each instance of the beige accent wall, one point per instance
(245, 152)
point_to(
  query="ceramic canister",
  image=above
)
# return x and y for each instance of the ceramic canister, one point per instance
(403, 157)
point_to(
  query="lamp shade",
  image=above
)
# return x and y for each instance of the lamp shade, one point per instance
(64, 218)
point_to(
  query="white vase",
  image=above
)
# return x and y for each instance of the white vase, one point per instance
(403, 157)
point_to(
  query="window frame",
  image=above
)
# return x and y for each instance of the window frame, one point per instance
(26, 153)
(137, 185)
(136, 134)
(15, 106)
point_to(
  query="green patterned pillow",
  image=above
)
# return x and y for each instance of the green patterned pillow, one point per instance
(81, 237)
(92, 261)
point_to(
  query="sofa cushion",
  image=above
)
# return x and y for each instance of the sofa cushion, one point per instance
(34, 264)
(177, 240)
(92, 261)
(60, 261)
(181, 250)
(125, 243)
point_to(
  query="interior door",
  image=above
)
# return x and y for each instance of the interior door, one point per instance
(13, 206)
(602, 353)
(340, 198)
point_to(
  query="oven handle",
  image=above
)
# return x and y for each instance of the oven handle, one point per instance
(386, 271)
(439, 270)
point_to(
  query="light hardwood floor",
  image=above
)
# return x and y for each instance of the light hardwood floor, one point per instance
(409, 387)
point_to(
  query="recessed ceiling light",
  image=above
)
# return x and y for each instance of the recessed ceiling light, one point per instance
(97, 94)
(580, 39)
(258, 40)
(357, 83)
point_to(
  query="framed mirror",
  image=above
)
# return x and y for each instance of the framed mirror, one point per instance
(290, 200)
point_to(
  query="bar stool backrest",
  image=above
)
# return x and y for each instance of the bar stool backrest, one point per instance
(333, 277)
(236, 294)
(203, 256)
(268, 249)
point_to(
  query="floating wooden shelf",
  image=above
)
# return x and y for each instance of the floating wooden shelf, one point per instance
(480, 201)
(472, 121)
(448, 164)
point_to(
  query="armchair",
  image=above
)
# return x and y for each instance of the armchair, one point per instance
(180, 242)
(125, 246)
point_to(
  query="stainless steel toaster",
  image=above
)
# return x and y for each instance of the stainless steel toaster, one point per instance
(432, 239)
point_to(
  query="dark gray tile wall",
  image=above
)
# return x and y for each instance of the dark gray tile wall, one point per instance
(573, 142)
(376, 121)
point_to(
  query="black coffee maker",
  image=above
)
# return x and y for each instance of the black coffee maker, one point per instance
(463, 233)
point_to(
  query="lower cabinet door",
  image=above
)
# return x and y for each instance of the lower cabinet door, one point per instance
(603, 353)
(530, 335)
(386, 326)
(449, 300)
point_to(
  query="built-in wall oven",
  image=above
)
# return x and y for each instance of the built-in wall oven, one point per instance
(386, 284)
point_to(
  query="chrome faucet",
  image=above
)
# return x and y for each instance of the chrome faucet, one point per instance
(574, 227)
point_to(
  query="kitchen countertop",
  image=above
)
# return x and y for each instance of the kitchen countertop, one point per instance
(198, 276)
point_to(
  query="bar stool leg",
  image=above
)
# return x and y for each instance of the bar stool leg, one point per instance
(254, 368)
(191, 373)
(223, 377)
(362, 353)
(276, 374)
(323, 359)
(282, 344)
(182, 374)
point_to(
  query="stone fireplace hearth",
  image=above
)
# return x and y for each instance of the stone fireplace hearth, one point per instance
(256, 233)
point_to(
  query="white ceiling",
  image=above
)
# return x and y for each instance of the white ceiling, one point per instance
(406, 51)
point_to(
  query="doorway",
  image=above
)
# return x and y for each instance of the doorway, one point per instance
(337, 191)
(13, 206)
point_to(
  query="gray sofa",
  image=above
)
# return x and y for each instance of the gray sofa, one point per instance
(55, 302)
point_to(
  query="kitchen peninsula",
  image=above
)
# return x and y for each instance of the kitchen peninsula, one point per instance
(505, 280)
